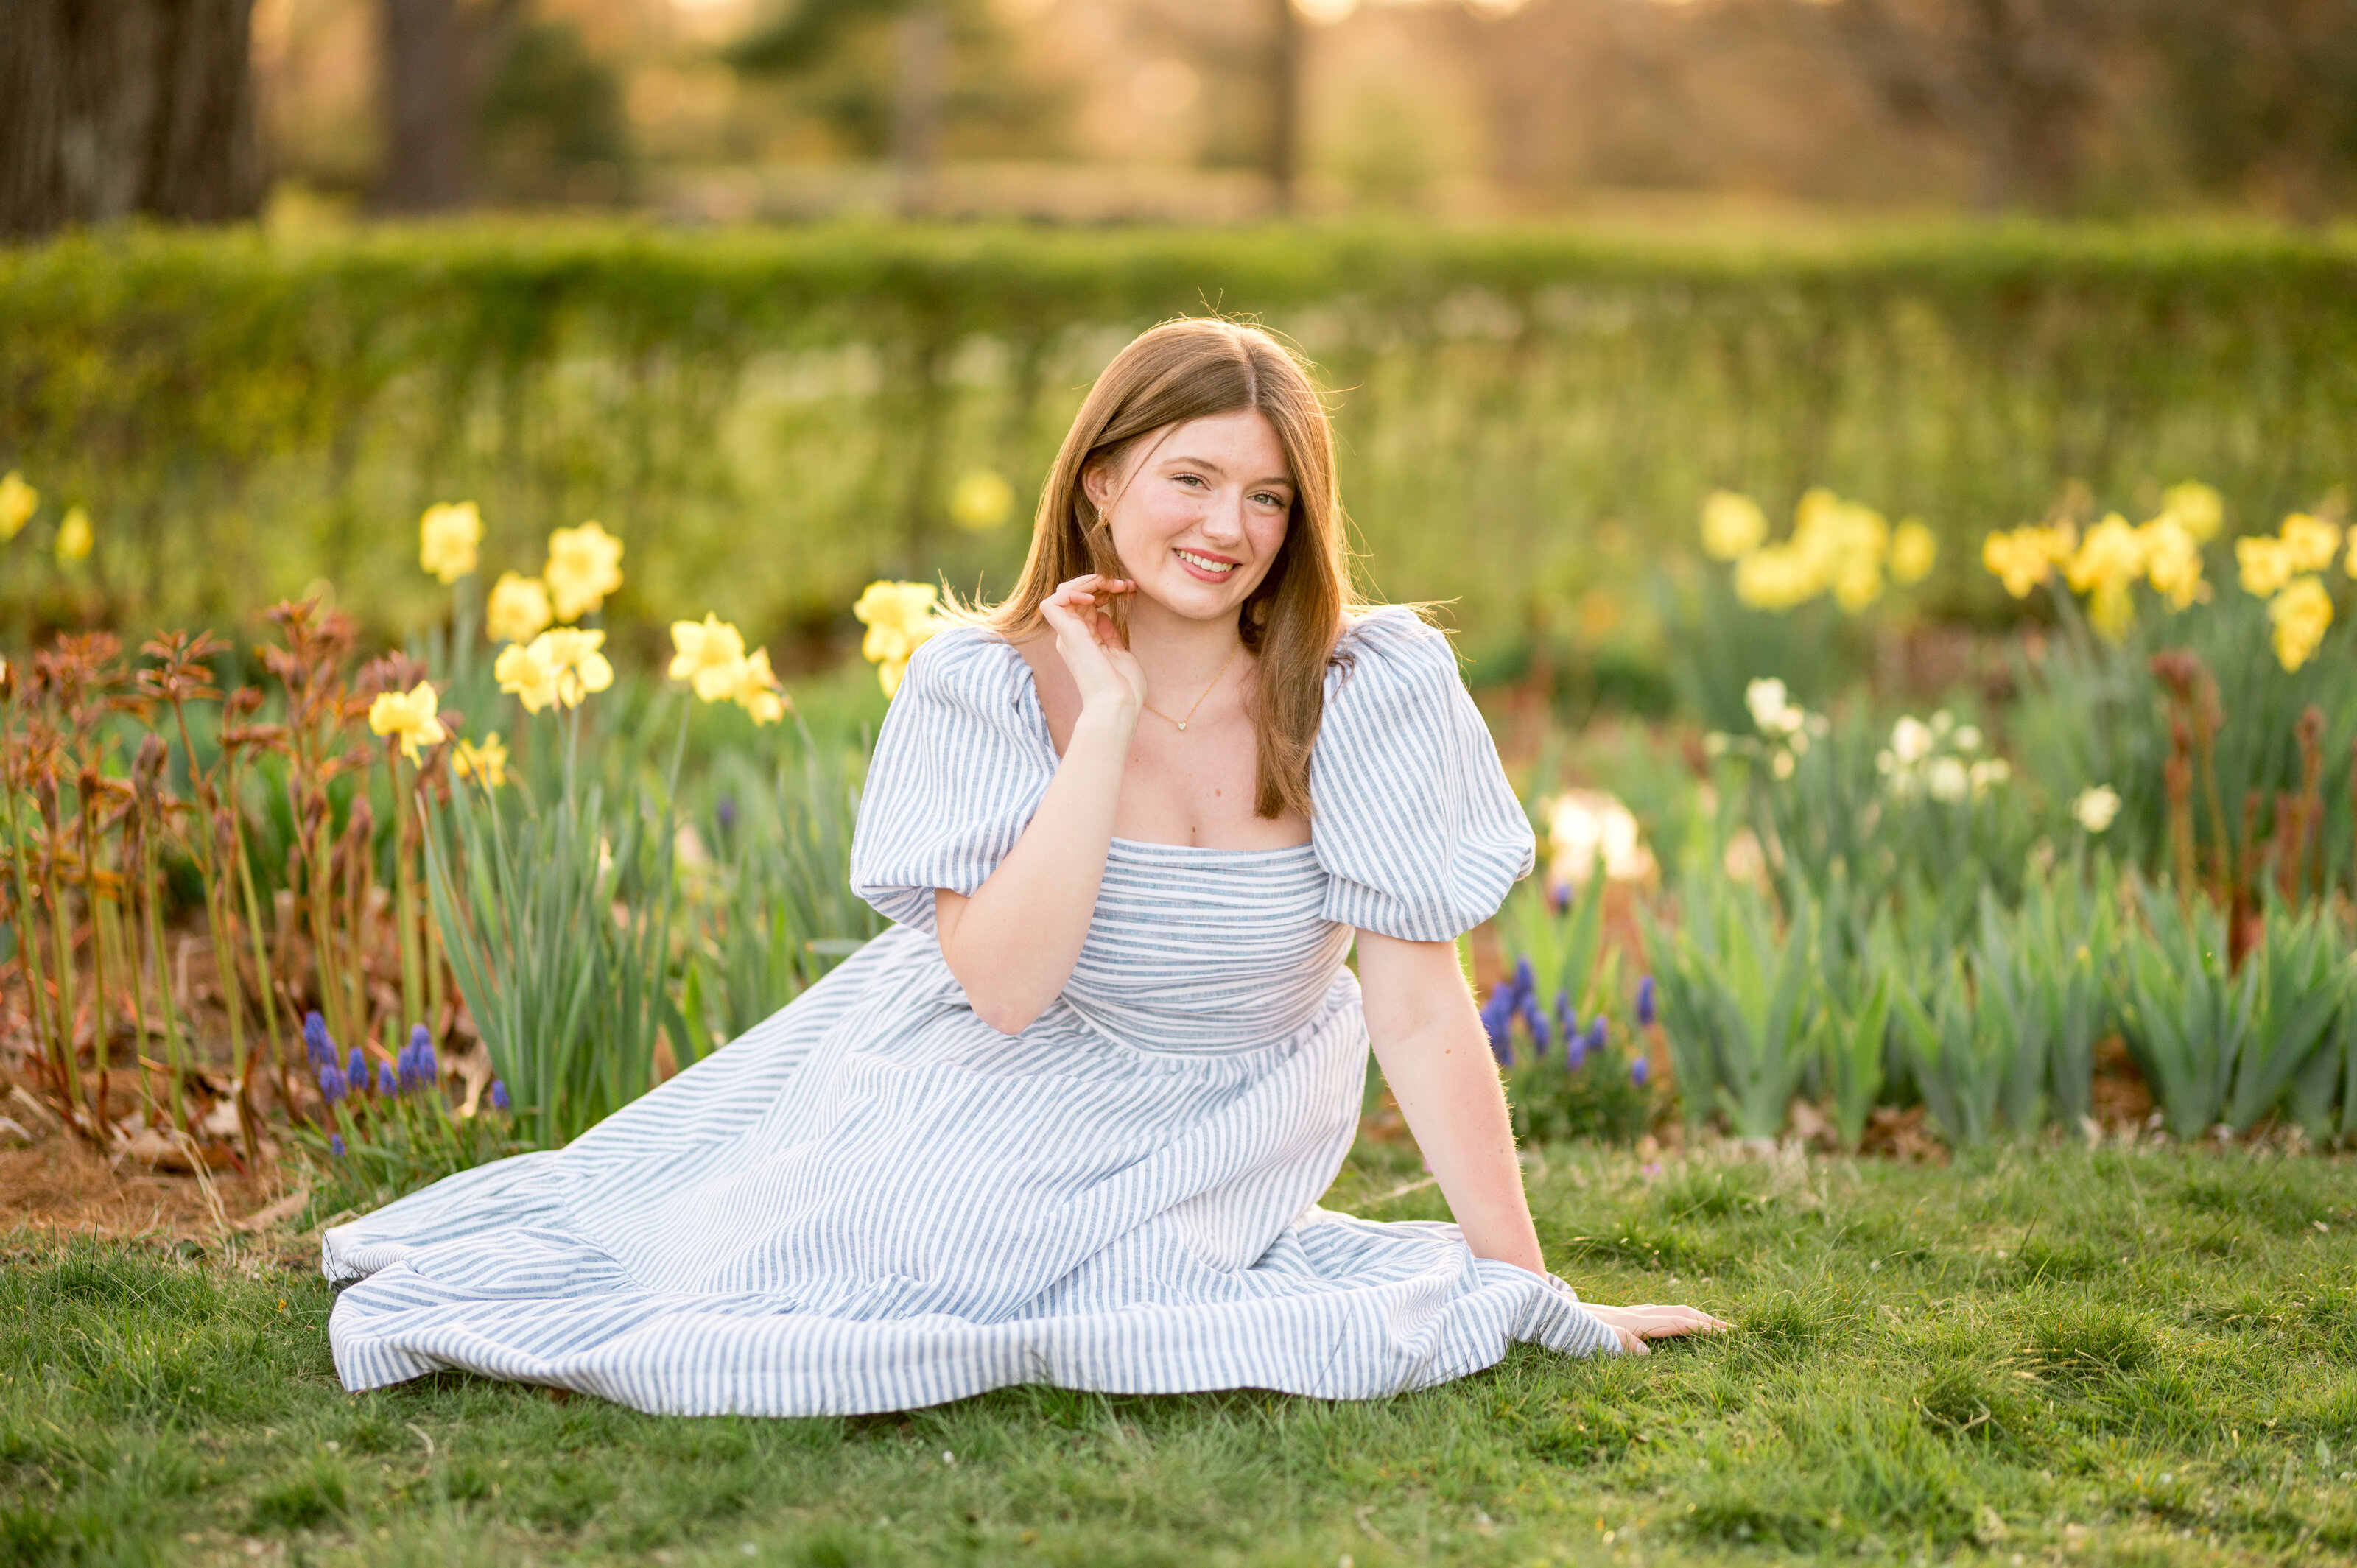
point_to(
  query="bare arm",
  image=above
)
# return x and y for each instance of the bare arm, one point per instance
(1013, 942)
(1438, 1062)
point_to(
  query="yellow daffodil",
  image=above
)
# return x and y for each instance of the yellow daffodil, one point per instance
(2302, 614)
(18, 502)
(758, 690)
(1775, 577)
(518, 610)
(486, 764)
(446, 539)
(709, 656)
(2309, 542)
(524, 670)
(581, 669)
(1733, 526)
(1858, 582)
(2019, 558)
(2265, 566)
(409, 716)
(560, 666)
(2172, 561)
(898, 618)
(2106, 563)
(584, 564)
(1841, 545)
(74, 537)
(1914, 550)
(980, 500)
(2198, 508)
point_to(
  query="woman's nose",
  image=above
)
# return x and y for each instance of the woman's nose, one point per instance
(1224, 519)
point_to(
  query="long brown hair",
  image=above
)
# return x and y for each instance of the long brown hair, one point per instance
(1192, 369)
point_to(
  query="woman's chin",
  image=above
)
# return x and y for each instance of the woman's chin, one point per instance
(1191, 601)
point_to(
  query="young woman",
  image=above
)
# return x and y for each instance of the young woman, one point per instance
(1068, 1120)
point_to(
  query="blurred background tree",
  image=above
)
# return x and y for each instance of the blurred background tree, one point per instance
(1185, 109)
(110, 108)
(1226, 109)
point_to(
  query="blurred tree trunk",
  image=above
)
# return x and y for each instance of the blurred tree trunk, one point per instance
(435, 56)
(114, 107)
(2019, 80)
(1283, 106)
(920, 41)
(428, 111)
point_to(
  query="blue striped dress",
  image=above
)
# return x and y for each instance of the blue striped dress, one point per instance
(874, 1200)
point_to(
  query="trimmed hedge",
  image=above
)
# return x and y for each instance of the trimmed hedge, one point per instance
(769, 416)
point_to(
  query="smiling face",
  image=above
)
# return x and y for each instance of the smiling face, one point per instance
(1198, 512)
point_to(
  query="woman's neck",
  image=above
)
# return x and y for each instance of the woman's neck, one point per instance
(1179, 654)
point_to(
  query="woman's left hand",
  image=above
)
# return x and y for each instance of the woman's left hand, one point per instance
(1636, 1325)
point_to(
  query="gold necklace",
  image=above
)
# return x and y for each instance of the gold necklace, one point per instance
(1166, 718)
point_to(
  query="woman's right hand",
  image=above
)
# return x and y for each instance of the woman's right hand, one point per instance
(1101, 666)
(1633, 1326)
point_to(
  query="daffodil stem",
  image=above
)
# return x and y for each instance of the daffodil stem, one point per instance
(412, 989)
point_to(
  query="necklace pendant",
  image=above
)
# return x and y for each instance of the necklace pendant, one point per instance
(1182, 724)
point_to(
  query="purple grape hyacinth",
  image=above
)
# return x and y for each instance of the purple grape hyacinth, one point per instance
(417, 1066)
(1534, 1021)
(317, 1043)
(356, 1072)
(386, 1083)
(332, 1086)
(1497, 1022)
(336, 1145)
(1595, 1035)
(1646, 1007)
(498, 1094)
(1640, 1071)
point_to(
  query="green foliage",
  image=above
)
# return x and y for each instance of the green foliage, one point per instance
(556, 918)
(1573, 1080)
(2187, 1016)
(769, 416)
(2304, 969)
(1557, 1097)
(392, 1149)
(2050, 977)
(1959, 1056)
(1851, 1046)
(1734, 1004)
(1564, 949)
(550, 121)
(776, 909)
(2123, 1404)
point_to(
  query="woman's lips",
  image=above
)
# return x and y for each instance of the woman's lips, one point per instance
(1188, 559)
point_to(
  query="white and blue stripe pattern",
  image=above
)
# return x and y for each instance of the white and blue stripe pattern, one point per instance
(876, 1201)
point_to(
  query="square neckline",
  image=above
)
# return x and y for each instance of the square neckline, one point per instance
(1039, 715)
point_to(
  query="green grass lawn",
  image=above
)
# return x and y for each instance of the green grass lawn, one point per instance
(2123, 1355)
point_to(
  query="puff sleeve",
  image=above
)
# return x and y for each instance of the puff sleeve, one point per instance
(1411, 815)
(960, 766)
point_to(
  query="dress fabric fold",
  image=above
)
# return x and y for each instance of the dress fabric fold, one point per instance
(873, 1200)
